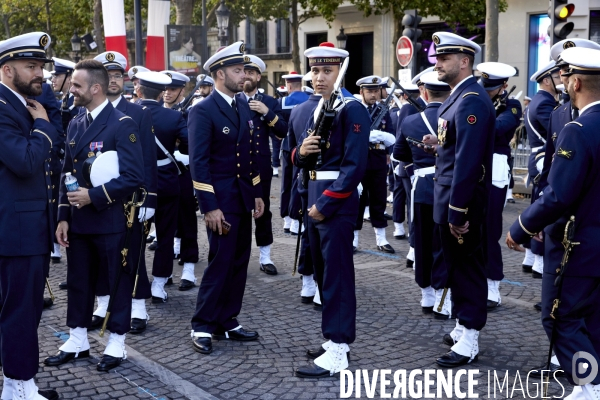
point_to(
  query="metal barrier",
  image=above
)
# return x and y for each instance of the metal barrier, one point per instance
(521, 149)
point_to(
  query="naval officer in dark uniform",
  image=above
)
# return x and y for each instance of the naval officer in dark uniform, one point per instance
(332, 209)
(92, 224)
(462, 179)
(115, 63)
(570, 307)
(27, 221)
(430, 273)
(267, 120)
(224, 164)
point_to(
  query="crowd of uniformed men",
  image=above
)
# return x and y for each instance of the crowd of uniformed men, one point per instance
(441, 145)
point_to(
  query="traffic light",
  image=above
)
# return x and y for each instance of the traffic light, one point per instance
(559, 11)
(411, 21)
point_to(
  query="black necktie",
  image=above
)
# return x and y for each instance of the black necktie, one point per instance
(370, 108)
(575, 114)
(233, 105)
(90, 119)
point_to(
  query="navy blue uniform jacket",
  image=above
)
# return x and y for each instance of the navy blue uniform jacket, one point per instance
(507, 121)
(538, 116)
(273, 123)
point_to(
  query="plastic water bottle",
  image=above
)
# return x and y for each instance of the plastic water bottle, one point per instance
(71, 182)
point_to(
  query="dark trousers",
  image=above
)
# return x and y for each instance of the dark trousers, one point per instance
(22, 287)
(305, 262)
(187, 222)
(374, 195)
(423, 237)
(406, 183)
(224, 281)
(493, 230)
(287, 173)
(466, 274)
(90, 256)
(264, 226)
(577, 331)
(276, 143)
(55, 179)
(331, 248)
(165, 220)
(399, 201)
(439, 269)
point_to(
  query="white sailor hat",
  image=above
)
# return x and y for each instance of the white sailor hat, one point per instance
(282, 89)
(417, 79)
(494, 74)
(411, 88)
(112, 60)
(208, 81)
(307, 89)
(177, 78)
(431, 82)
(385, 81)
(325, 54)
(98, 170)
(292, 76)
(134, 70)
(307, 77)
(62, 66)
(230, 55)
(47, 74)
(28, 46)
(154, 80)
(544, 72)
(527, 98)
(450, 43)
(581, 61)
(369, 82)
(256, 64)
(569, 43)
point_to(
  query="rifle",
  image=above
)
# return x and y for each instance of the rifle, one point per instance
(499, 100)
(130, 214)
(382, 109)
(324, 121)
(408, 98)
(189, 97)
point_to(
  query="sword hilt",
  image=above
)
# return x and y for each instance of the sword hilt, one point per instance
(135, 285)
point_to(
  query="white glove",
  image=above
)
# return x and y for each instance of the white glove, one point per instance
(374, 137)
(380, 136)
(397, 170)
(183, 158)
(360, 189)
(145, 213)
(540, 164)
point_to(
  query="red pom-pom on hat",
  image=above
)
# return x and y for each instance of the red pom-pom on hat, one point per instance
(327, 44)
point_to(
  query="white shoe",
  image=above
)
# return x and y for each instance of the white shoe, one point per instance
(177, 246)
(56, 251)
(295, 226)
(390, 198)
(427, 297)
(367, 214)
(591, 391)
(287, 222)
(380, 236)
(102, 306)
(188, 272)
(116, 346)
(317, 298)
(309, 286)
(576, 394)
(25, 390)
(335, 358)
(494, 291)
(457, 332)
(468, 344)
(138, 309)
(265, 255)
(7, 389)
(355, 241)
(538, 264)
(275, 171)
(529, 257)
(77, 342)
(399, 229)
(447, 306)
(158, 288)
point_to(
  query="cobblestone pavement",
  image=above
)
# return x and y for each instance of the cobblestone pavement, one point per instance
(392, 333)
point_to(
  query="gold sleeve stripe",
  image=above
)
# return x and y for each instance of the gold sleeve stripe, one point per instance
(522, 227)
(204, 187)
(466, 94)
(2, 101)
(575, 122)
(122, 118)
(47, 137)
(256, 180)
(540, 155)
(463, 210)
(106, 193)
(152, 194)
(64, 205)
(272, 123)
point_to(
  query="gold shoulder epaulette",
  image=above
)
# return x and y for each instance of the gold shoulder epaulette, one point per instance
(122, 118)
(144, 107)
(574, 122)
(466, 94)
(2, 101)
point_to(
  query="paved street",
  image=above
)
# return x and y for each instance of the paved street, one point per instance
(392, 333)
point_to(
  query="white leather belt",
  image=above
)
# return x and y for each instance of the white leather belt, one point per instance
(324, 175)
(535, 149)
(162, 163)
(424, 171)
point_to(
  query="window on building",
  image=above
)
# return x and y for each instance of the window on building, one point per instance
(259, 43)
(283, 36)
(539, 47)
(595, 26)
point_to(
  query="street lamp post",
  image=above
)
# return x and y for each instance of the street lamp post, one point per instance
(223, 22)
(341, 39)
(76, 46)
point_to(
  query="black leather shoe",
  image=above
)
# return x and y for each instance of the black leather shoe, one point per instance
(268, 269)
(240, 335)
(537, 372)
(313, 372)
(387, 216)
(63, 357)
(48, 394)
(55, 260)
(386, 248)
(286, 230)
(318, 307)
(96, 322)
(409, 263)
(108, 362)
(538, 306)
(150, 238)
(159, 300)
(62, 285)
(184, 285)
(527, 268)
(202, 345)
(294, 233)
(427, 310)
(441, 316)
(536, 275)
(153, 246)
(307, 299)
(180, 262)
(399, 237)
(492, 305)
(511, 201)
(169, 281)
(48, 302)
(448, 340)
(138, 325)
(319, 352)
(354, 249)
(452, 359)
(367, 219)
